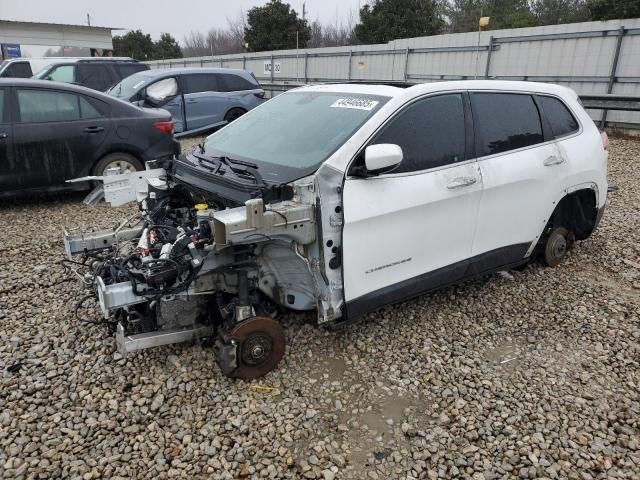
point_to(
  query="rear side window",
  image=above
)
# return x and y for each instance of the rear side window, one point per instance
(199, 82)
(505, 121)
(96, 76)
(126, 69)
(560, 119)
(430, 132)
(47, 106)
(234, 83)
(19, 70)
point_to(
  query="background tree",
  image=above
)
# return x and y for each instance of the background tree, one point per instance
(386, 20)
(167, 47)
(274, 27)
(464, 14)
(554, 12)
(611, 9)
(134, 44)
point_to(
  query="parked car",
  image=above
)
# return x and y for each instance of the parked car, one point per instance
(24, 67)
(345, 198)
(51, 132)
(199, 99)
(98, 73)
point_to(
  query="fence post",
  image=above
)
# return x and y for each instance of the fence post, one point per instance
(306, 56)
(350, 55)
(486, 70)
(244, 62)
(406, 63)
(614, 67)
(185, 64)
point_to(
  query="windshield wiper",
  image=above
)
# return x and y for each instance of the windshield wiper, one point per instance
(250, 169)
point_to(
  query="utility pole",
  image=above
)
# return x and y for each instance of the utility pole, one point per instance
(88, 19)
(304, 11)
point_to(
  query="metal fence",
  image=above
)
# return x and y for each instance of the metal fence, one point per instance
(593, 58)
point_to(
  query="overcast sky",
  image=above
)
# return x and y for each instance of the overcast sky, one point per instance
(177, 17)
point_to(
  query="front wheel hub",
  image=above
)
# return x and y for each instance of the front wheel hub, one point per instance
(259, 347)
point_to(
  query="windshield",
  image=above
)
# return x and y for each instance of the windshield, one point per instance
(128, 86)
(291, 135)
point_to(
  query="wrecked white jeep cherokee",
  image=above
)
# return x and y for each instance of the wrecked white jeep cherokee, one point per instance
(341, 199)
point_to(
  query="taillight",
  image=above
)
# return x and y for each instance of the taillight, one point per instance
(259, 94)
(164, 127)
(605, 140)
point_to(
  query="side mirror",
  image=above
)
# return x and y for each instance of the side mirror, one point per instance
(382, 157)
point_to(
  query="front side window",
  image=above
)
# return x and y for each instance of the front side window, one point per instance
(162, 89)
(430, 132)
(47, 106)
(505, 121)
(290, 136)
(62, 73)
(199, 82)
(560, 119)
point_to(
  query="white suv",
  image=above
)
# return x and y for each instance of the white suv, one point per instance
(344, 198)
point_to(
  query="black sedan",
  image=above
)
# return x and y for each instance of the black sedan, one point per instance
(51, 132)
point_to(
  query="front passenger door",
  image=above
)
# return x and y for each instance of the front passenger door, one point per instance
(411, 230)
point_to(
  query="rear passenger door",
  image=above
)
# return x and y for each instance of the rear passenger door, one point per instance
(203, 102)
(7, 163)
(57, 136)
(522, 173)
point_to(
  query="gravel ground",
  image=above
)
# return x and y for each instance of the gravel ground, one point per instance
(529, 374)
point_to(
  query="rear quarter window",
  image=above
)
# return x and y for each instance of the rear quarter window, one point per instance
(18, 70)
(560, 118)
(232, 83)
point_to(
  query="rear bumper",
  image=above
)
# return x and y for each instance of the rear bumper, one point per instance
(165, 150)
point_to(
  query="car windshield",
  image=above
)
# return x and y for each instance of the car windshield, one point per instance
(291, 135)
(128, 86)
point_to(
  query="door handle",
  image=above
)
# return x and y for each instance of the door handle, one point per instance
(553, 160)
(94, 129)
(461, 182)
(3, 135)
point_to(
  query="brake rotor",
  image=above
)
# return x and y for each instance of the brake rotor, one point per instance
(556, 247)
(261, 344)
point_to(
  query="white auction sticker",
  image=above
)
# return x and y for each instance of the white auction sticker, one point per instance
(357, 103)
